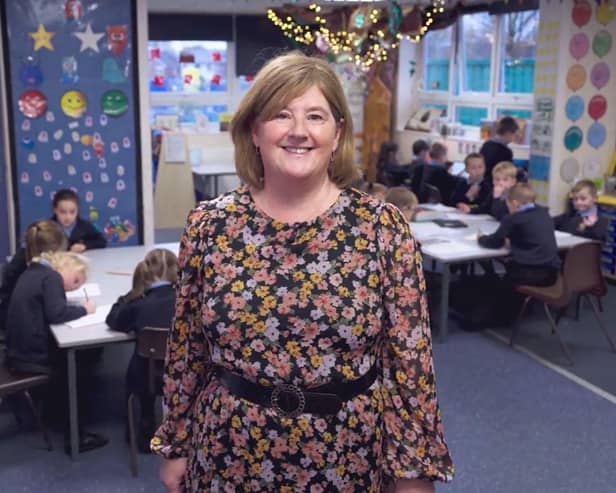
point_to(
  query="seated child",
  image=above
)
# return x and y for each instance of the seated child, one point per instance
(403, 199)
(584, 219)
(81, 234)
(474, 190)
(376, 189)
(503, 178)
(150, 303)
(41, 236)
(529, 231)
(39, 300)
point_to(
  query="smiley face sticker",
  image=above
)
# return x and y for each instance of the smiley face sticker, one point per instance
(73, 103)
(114, 103)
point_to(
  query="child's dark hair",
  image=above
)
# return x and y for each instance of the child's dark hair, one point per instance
(507, 124)
(472, 155)
(64, 194)
(162, 264)
(44, 236)
(585, 184)
(438, 151)
(420, 146)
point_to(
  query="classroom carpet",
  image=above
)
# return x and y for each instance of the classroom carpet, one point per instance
(511, 423)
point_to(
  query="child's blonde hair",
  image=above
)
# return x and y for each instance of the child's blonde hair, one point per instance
(162, 264)
(401, 197)
(44, 235)
(506, 169)
(65, 260)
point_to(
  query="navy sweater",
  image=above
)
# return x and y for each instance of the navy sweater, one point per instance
(85, 232)
(572, 222)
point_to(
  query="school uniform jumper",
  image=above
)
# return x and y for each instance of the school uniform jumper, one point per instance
(534, 254)
(494, 151)
(84, 232)
(573, 222)
(463, 185)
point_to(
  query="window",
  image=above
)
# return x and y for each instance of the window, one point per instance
(437, 54)
(471, 115)
(517, 47)
(477, 33)
(514, 112)
(206, 116)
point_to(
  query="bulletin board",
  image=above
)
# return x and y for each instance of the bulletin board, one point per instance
(73, 110)
(4, 226)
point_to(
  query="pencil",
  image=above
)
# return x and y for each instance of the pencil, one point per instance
(113, 273)
(86, 293)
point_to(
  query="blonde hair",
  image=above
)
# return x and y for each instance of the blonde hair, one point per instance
(522, 193)
(506, 169)
(44, 235)
(162, 264)
(280, 81)
(141, 280)
(65, 260)
(401, 197)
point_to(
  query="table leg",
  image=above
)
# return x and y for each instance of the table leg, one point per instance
(215, 177)
(444, 315)
(72, 403)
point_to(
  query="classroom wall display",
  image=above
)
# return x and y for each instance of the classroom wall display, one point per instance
(73, 107)
(4, 216)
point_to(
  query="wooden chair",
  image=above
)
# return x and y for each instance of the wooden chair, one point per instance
(151, 345)
(12, 383)
(581, 276)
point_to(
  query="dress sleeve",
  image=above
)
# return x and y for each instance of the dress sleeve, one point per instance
(187, 352)
(414, 443)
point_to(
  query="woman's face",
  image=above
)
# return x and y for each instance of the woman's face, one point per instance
(298, 141)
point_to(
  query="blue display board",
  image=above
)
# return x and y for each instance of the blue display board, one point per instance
(74, 110)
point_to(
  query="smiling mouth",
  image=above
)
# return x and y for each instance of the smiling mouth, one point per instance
(297, 150)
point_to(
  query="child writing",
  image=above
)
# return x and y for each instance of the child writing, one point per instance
(529, 231)
(151, 303)
(403, 199)
(474, 190)
(583, 219)
(81, 234)
(41, 236)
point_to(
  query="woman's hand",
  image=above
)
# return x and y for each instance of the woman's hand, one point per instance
(172, 473)
(413, 486)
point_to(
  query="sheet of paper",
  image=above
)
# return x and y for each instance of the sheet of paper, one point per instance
(92, 288)
(562, 234)
(175, 148)
(437, 207)
(425, 230)
(471, 237)
(451, 248)
(98, 317)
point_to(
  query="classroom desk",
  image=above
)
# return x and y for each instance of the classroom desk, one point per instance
(213, 170)
(112, 269)
(451, 246)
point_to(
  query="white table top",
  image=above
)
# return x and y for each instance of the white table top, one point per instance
(460, 244)
(214, 169)
(112, 269)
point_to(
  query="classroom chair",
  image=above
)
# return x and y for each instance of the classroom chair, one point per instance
(580, 276)
(151, 345)
(13, 383)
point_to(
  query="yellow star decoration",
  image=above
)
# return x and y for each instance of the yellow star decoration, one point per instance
(42, 38)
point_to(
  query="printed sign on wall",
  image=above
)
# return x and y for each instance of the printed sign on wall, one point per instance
(74, 112)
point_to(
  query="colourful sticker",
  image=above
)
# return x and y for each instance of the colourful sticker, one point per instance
(32, 103)
(573, 138)
(50, 117)
(116, 229)
(71, 170)
(115, 148)
(38, 191)
(90, 197)
(574, 108)
(46, 176)
(75, 136)
(68, 148)
(69, 70)
(600, 75)
(55, 154)
(42, 38)
(73, 10)
(89, 121)
(86, 140)
(112, 203)
(112, 72)
(27, 143)
(87, 177)
(30, 73)
(117, 38)
(581, 12)
(120, 185)
(578, 46)
(43, 137)
(120, 170)
(597, 106)
(32, 159)
(576, 77)
(74, 124)
(605, 12)
(114, 103)
(102, 163)
(25, 178)
(73, 103)
(104, 177)
(99, 148)
(58, 134)
(103, 120)
(25, 125)
(602, 43)
(89, 39)
(86, 156)
(126, 142)
(596, 135)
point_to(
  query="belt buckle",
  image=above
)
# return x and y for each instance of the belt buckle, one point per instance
(292, 389)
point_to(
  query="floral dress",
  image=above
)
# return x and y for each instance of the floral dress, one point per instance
(304, 303)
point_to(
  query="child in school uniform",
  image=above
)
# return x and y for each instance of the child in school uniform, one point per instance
(376, 189)
(403, 199)
(504, 177)
(81, 234)
(583, 219)
(475, 189)
(151, 303)
(41, 236)
(39, 300)
(529, 231)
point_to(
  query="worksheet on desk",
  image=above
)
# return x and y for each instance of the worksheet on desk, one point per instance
(98, 317)
(88, 290)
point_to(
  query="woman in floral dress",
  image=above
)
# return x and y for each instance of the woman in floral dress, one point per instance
(300, 358)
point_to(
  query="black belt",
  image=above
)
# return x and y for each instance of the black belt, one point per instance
(290, 400)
